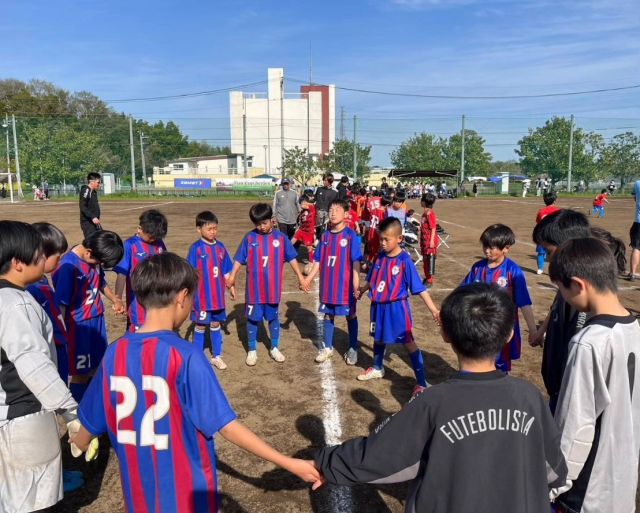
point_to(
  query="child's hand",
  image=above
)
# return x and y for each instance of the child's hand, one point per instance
(230, 281)
(305, 470)
(436, 317)
(536, 338)
(118, 307)
(232, 292)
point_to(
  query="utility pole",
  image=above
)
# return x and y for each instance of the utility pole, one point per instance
(308, 125)
(355, 151)
(462, 154)
(244, 135)
(282, 127)
(570, 155)
(133, 156)
(144, 168)
(17, 157)
(9, 179)
(341, 122)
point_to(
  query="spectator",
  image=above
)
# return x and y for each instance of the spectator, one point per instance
(343, 187)
(324, 196)
(286, 208)
(89, 207)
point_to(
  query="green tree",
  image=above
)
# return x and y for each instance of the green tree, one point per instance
(421, 152)
(340, 159)
(621, 157)
(505, 166)
(476, 159)
(299, 165)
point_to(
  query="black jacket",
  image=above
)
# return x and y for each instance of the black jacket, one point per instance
(482, 443)
(324, 197)
(89, 207)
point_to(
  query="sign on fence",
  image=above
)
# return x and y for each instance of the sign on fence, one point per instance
(192, 183)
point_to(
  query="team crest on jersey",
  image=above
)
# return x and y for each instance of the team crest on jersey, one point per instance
(343, 243)
(502, 281)
(276, 243)
(395, 270)
(143, 253)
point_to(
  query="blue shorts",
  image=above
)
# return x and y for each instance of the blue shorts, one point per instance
(391, 323)
(258, 312)
(87, 344)
(208, 316)
(63, 363)
(343, 310)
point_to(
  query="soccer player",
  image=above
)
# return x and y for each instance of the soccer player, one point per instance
(496, 268)
(147, 241)
(160, 402)
(598, 203)
(305, 234)
(209, 257)
(337, 258)
(351, 218)
(31, 391)
(550, 207)
(89, 206)
(78, 283)
(482, 428)
(598, 409)
(391, 279)
(428, 237)
(264, 251)
(374, 216)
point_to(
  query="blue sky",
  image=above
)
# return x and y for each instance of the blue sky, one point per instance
(129, 49)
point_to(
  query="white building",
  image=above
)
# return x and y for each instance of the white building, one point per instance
(263, 126)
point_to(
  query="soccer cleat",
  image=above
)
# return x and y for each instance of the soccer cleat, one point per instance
(218, 363)
(351, 356)
(324, 354)
(418, 389)
(371, 373)
(252, 358)
(539, 271)
(276, 355)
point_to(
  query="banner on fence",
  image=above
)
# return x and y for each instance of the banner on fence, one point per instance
(192, 183)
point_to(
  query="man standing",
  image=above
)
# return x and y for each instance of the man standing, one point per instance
(324, 196)
(343, 187)
(286, 208)
(634, 233)
(89, 207)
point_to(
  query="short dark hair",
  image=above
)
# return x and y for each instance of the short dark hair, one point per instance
(549, 198)
(328, 177)
(477, 319)
(497, 236)
(158, 279)
(385, 200)
(260, 212)
(561, 226)
(400, 196)
(106, 247)
(390, 223)
(53, 240)
(344, 179)
(428, 199)
(93, 176)
(154, 223)
(19, 241)
(616, 246)
(587, 258)
(603, 191)
(206, 217)
(340, 203)
(304, 199)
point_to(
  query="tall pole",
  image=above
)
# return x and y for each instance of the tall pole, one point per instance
(244, 135)
(17, 156)
(355, 151)
(133, 156)
(282, 127)
(341, 122)
(308, 125)
(9, 179)
(144, 167)
(570, 155)
(462, 154)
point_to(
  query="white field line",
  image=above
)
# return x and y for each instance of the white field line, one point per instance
(144, 206)
(479, 230)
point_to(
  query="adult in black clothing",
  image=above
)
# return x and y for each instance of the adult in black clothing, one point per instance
(324, 196)
(89, 207)
(343, 188)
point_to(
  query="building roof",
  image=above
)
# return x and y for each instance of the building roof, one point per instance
(206, 157)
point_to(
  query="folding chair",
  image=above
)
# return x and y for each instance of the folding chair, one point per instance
(443, 236)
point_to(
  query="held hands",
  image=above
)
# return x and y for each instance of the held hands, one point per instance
(305, 470)
(230, 281)
(536, 338)
(90, 449)
(304, 284)
(118, 306)
(232, 292)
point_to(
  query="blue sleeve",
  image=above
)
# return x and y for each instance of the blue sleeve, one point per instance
(356, 250)
(103, 278)
(124, 266)
(91, 408)
(290, 252)
(318, 251)
(520, 292)
(227, 264)
(242, 252)
(191, 257)
(469, 278)
(63, 283)
(412, 278)
(370, 271)
(204, 401)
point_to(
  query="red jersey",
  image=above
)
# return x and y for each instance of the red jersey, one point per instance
(427, 229)
(599, 201)
(371, 204)
(307, 219)
(351, 219)
(361, 202)
(544, 212)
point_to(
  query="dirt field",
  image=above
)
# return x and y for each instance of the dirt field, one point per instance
(298, 406)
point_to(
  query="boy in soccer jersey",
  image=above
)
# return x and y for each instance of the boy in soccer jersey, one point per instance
(147, 241)
(376, 213)
(337, 258)
(428, 237)
(351, 218)
(306, 232)
(264, 251)
(496, 268)
(209, 257)
(598, 408)
(392, 277)
(598, 203)
(159, 400)
(550, 207)
(78, 282)
(482, 428)
(31, 391)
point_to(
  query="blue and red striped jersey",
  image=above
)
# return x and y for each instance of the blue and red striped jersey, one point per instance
(393, 278)
(44, 295)
(77, 286)
(135, 251)
(160, 402)
(336, 253)
(264, 255)
(212, 263)
(510, 278)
